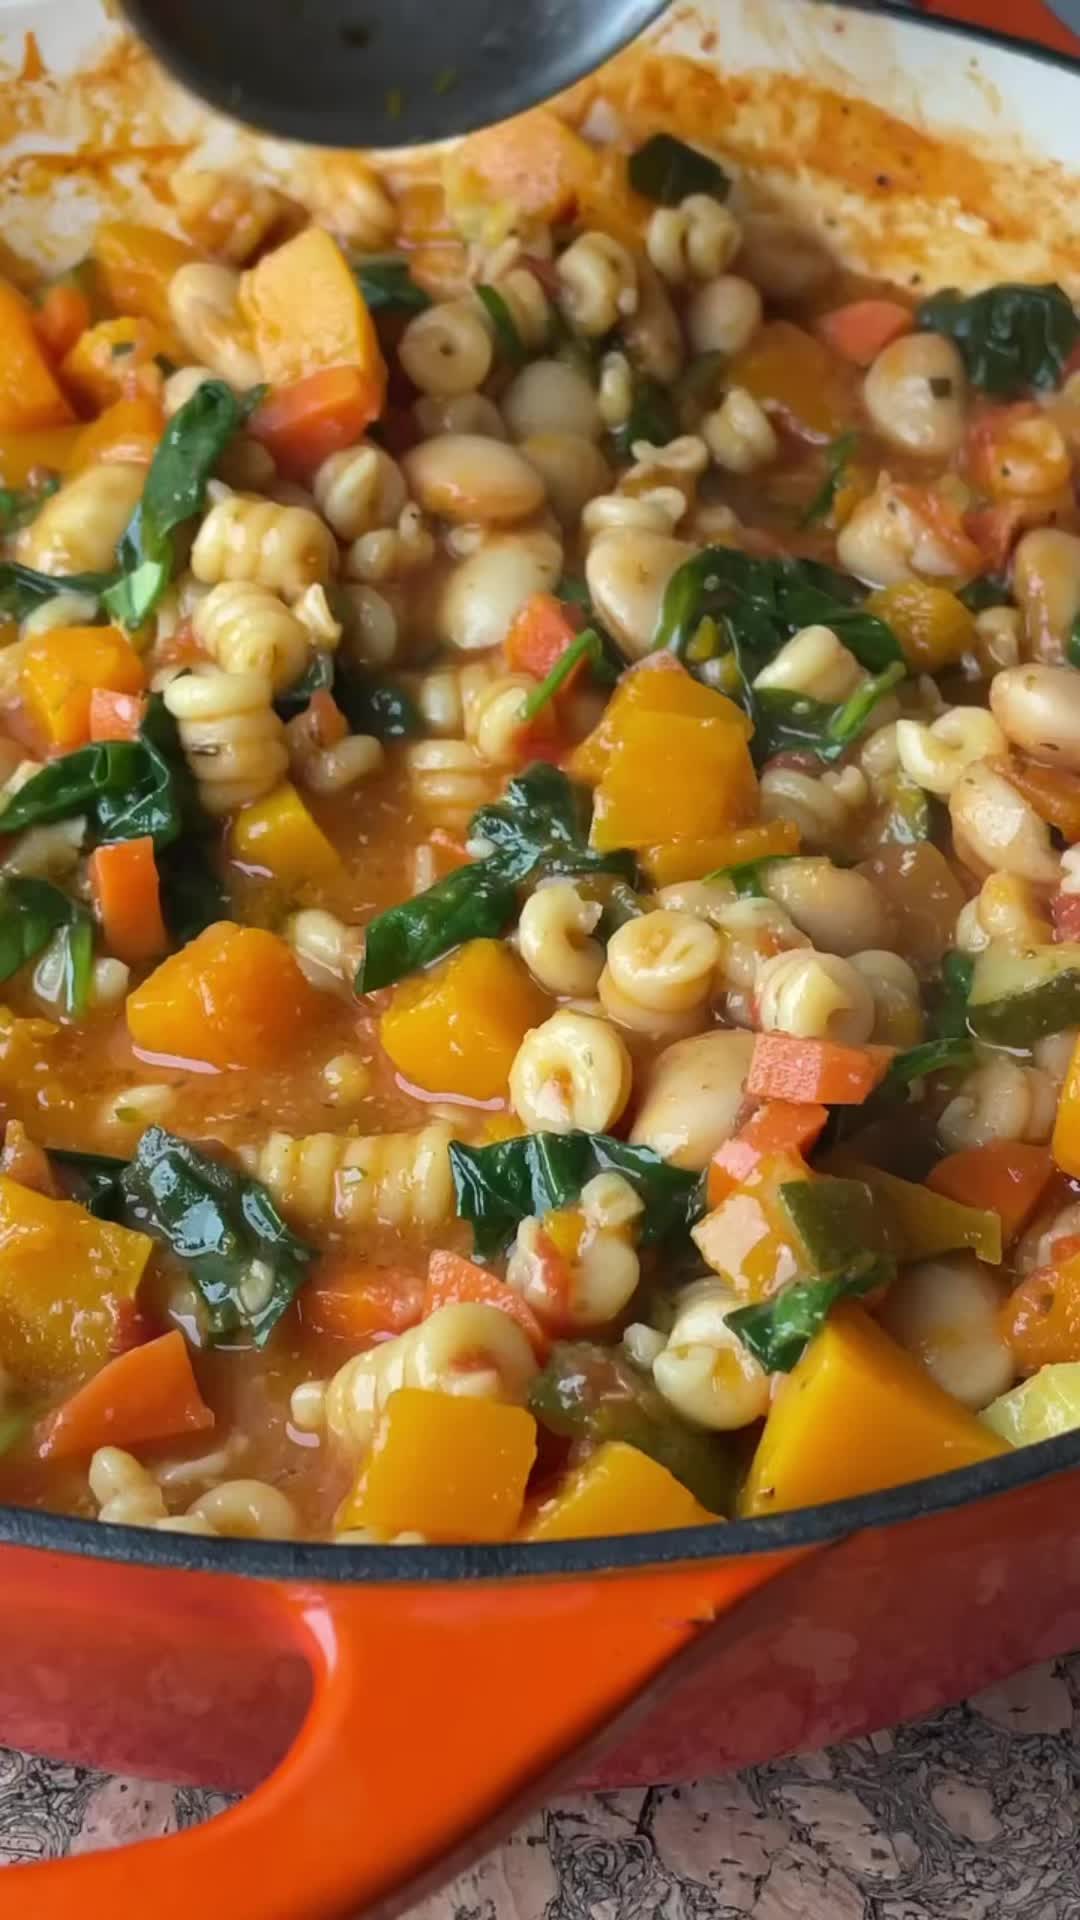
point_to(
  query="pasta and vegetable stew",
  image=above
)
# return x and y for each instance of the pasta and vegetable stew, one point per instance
(539, 861)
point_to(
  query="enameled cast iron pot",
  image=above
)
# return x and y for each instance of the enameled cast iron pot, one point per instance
(399, 1705)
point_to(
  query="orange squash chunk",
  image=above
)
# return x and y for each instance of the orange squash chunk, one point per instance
(694, 775)
(60, 671)
(444, 1465)
(135, 264)
(30, 396)
(128, 430)
(659, 685)
(618, 1490)
(233, 997)
(456, 1028)
(307, 312)
(64, 1277)
(858, 1413)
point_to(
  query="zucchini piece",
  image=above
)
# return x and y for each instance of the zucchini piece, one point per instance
(1018, 998)
(915, 1223)
(834, 1219)
(1044, 1406)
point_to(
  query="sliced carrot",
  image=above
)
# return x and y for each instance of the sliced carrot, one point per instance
(808, 1071)
(116, 716)
(359, 1300)
(1065, 914)
(303, 424)
(453, 1279)
(1005, 1177)
(63, 315)
(328, 723)
(860, 330)
(148, 1393)
(778, 1126)
(540, 634)
(124, 879)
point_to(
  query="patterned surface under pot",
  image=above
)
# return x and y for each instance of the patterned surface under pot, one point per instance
(971, 1815)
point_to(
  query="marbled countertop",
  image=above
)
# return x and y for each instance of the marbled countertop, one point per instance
(971, 1815)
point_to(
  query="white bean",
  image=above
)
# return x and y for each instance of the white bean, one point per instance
(723, 315)
(692, 1096)
(838, 909)
(548, 396)
(1039, 709)
(468, 478)
(1046, 584)
(946, 1313)
(627, 571)
(916, 394)
(572, 469)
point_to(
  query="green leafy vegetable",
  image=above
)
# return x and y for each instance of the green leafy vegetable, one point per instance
(126, 788)
(785, 721)
(244, 1260)
(1011, 337)
(1072, 644)
(588, 646)
(511, 346)
(499, 1186)
(63, 974)
(949, 1014)
(575, 591)
(477, 902)
(24, 588)
(988, 590)
(778, 1331)
(192, 895)
(175, 491)
(540, 825)
(746, 877)
(93, 1179)
(370, 704)
(388, 286)
(31, 912)
(837, 455)
(593, 1393)
(666, 170)
(19, 505)
(652, 417)
(930, 1056)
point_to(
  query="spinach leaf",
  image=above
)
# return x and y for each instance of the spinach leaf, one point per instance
(24, 588)
(574, 590)
(244, 1260)
(388, 286)
(666, 170)
(18, 506)
(477, 902)
(586, 646)
(126, 788)
(989, 590)
(93, 1179)
(175, 491)
(63, 974)
(497, 1187)
(370, 704)
(192, 895)
(542, 824)
(590, 1392)
(787, 721)
(778, 1331)
(746, 878)
(930, 1056)
(948, 1017)
(652, 417)
(837, 454)
(31, 912)
(508, 340)
(1011, 337)
(1072, 644)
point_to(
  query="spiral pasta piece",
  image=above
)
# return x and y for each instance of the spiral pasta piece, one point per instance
(248, 629)
(284, 549)
(233, 740)
(381, 1179)
(468, 1349)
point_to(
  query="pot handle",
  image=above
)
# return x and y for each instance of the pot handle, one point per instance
(435, 1709)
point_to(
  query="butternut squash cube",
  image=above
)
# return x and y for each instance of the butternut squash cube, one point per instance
(279, 836)
(617, 1490)
(233, 997)
(128, 430)
(30, 396)
(656, 685)
(694, 778)
(60, 671)
(306, 312)
(51, 447)
(673, 861)
(444, 1465)
(135, 264)
(1065, 1145)
(858, 1413)
(99, 367)
(64, 1279)
(456, 1028)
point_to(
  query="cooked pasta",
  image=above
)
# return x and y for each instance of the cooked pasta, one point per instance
(359, 490)
(246, 628)
(284, 549)
(78, 529)
(391, 1179)
(233, 739)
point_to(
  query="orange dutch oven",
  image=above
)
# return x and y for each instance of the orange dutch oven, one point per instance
(388, 1711)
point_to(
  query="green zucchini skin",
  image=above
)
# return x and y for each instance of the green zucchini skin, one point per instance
(1018, 998)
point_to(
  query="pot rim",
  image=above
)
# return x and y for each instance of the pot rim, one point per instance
(325, 1562)
(306, 1561)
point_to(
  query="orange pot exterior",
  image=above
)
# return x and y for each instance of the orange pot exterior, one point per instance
(438, 1710)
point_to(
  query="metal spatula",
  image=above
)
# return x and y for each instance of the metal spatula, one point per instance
(371, 73)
